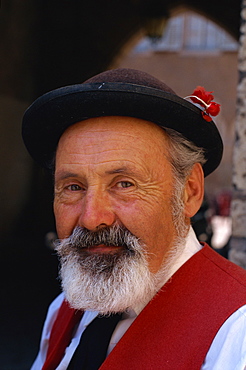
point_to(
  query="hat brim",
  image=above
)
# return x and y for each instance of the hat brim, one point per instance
(50, 115)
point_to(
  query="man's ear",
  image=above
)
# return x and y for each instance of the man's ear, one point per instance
(194, 191)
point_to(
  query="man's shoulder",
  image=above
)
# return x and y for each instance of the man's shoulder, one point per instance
(208, 280)
(223, 267)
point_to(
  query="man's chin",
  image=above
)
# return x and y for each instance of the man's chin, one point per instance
(107, 283)
(104, 249)
(102, 309)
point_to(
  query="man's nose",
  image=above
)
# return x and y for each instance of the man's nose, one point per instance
(96, 211)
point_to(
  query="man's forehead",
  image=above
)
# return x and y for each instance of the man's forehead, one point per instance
(116, 144)
(123, 125)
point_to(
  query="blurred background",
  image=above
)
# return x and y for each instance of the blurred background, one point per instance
(49, 44)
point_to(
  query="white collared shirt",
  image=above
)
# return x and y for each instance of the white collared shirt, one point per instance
(227, 351)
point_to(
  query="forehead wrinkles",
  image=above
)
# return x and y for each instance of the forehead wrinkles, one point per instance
(121, 127)
(110, 141)
(112, 162)
(131, 143)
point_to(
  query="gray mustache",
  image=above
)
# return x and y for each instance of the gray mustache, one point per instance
(109, 236)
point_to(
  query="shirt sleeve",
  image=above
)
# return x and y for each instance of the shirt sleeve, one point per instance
(49, 321)
(228, 349)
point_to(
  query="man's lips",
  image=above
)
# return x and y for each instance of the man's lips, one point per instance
(102, 248)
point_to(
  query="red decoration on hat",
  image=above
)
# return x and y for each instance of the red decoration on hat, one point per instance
(204, 98)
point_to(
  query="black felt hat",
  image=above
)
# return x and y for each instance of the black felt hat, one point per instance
(118, 92)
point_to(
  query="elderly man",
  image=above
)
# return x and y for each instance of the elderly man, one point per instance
(139, 291)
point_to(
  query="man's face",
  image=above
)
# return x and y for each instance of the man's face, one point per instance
(115, 170)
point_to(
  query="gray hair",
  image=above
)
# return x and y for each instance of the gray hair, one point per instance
(183, 154)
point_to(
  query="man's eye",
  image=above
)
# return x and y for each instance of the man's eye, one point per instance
(74, 187)
(125, 184)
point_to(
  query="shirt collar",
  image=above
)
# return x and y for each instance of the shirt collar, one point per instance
(191, 247)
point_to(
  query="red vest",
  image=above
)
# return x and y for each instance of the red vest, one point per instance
(176, 329)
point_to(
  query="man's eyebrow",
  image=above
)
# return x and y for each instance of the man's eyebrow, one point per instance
(119, 170)
(64, 175)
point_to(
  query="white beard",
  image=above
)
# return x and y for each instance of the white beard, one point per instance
(107, 283)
